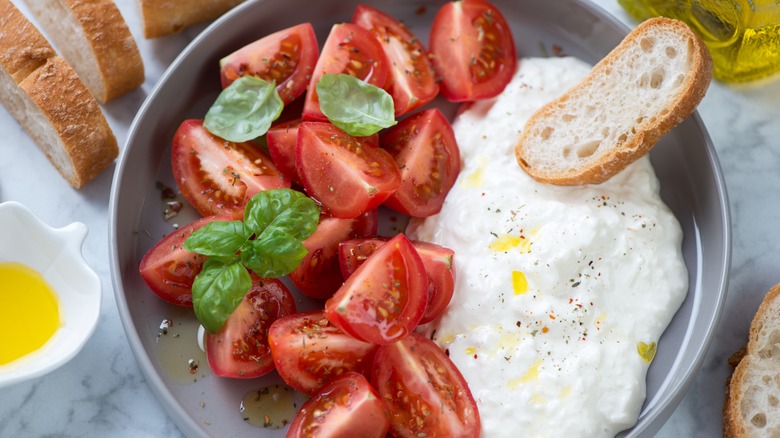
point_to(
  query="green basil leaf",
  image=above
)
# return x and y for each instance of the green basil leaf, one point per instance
(286, 210)
(274, 254)
(244, 110)
(357, 107)
(218, 238)
(217, 291)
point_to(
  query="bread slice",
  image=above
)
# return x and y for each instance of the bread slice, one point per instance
(95, 40)
(164, 17)
(648, 84)
(46, 96)
(752, 404)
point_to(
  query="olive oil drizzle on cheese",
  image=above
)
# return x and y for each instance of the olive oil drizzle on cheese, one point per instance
(29, 311)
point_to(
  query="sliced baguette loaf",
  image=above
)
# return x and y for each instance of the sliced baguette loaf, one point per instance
(752, 404)
(647, 85)
(164, 17)
(51, 103)
(95, 40)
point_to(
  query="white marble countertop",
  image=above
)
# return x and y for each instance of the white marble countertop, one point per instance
(101, 392)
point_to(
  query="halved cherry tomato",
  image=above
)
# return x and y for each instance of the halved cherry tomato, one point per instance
(473, 50)
(436, 259)
(169, 269)
(346, 407)
(286, 57)
(425, 150)
(282, 139)
(217, 176)
(351, 50)
(309, 351)
(423, 390)
(348, 175)
(412, 79)
(384, 299)
(240, 348)
(318, 275)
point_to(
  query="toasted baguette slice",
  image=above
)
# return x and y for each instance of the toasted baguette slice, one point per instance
(752, 404)
(648, 84)
(164, 17)
(46, 96)
(95, 40)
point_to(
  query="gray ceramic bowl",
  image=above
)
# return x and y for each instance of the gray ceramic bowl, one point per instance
(685, 161)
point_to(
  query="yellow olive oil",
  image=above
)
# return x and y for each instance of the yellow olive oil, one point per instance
(743, 36)
(29, 311)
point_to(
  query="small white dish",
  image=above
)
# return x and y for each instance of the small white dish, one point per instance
(56, 254)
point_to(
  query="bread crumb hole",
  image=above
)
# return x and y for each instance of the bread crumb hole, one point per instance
(678, 81)
(647, 44)
(766, 379)
(644, 80)
(639, 120)
(758, 420)
(566, 152)
(657, 78)
(546, 133)
(622, 138)
(605, 132)
(588, 149)
(568, 117)
(772, 400)
(671, 52)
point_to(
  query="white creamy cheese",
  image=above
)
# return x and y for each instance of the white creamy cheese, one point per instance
(558, 289)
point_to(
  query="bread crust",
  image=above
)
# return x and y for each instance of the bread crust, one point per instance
(165, 17)
(647, 133)
(51, 103)
(733, 420)
(115, 66)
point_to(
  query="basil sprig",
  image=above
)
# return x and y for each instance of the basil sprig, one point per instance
(269, 241)
(356, 107)
(244, 110)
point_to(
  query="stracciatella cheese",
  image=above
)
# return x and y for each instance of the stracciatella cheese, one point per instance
(561, 293)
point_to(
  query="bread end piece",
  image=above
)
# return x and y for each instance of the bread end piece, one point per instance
(165, 17)
(653, 80)
(752, 404)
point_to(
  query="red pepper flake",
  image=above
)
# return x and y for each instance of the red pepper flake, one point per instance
(475, 355)
(552, 317)
(545, 329)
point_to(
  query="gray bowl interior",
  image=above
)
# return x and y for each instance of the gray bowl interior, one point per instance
(685, 161)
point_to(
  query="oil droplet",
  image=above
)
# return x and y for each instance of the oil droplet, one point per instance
(531, 374)
(272, 407)
(505, 243)
(178, 352)
(646, 351)
(29, 311)
(519, 282)
(476, 179)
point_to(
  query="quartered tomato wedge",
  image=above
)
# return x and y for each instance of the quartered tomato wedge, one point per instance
(424, 392)
(318, 275)
(286, 58)
(384, 299)
(309, 351)
(351, 50)
(347, 175)
(425, 150)
(473, 50)
(240, 349)
(436, 259)
(169, 269)
(346, 407)
(282, 139)
(412, 82)
(217, 176)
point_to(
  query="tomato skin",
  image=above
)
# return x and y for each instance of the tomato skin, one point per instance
(412, 81)
(286, 57)
(318, 275)
(309, 351)
(351, 50)
(473, 50)
(424, 148)
(346, 407)
(385, 298)
(282, 139)
(240, 349)
(438, 262)
(347, 175)
(423, 390)
(217, 176)
(169, 269)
